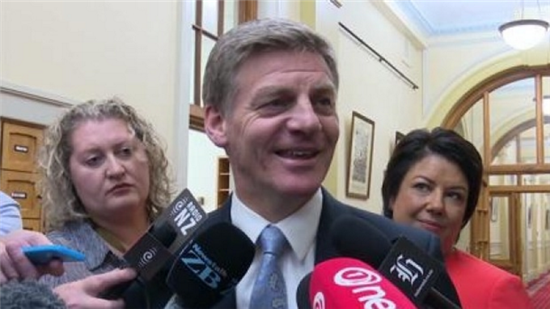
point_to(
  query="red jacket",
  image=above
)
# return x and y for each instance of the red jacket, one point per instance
(481, 285)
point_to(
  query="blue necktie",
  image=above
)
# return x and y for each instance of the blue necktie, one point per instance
(269, 290)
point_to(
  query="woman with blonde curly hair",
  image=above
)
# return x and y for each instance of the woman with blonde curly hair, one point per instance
(105, 180)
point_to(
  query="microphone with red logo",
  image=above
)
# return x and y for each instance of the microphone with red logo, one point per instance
(210, 265)
(416, 273)
(352, 284)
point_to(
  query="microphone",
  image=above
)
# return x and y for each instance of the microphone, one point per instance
(350, 283)
(152, 255)
(302, 293)
(404, 264)
(210, 265)
(28, 294)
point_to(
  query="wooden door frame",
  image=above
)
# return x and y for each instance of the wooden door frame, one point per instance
(514, 262)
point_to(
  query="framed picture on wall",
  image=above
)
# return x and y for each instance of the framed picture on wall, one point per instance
(360, 157)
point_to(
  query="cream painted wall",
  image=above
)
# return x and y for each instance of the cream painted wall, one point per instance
(370, 88)
(82, 50)
(441, 74)
(203, 182)
(325, 19)
(472, 63)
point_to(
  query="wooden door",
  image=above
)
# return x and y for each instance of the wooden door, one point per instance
(505, 250)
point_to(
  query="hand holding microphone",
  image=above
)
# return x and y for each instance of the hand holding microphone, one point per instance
(153, 254)
(82, 293)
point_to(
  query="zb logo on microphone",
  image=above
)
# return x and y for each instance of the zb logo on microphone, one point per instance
(204, 267)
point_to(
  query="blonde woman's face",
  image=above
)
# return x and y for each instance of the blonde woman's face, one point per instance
(109, 169)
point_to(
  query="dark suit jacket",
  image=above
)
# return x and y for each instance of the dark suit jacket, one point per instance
(333, 209)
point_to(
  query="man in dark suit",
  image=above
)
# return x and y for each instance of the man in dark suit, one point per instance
(270, 89)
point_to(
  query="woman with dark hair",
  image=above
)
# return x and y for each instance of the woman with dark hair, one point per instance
(433, 181)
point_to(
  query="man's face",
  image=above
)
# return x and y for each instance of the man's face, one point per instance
(281, 131)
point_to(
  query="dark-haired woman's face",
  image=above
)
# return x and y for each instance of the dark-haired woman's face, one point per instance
(433, 196)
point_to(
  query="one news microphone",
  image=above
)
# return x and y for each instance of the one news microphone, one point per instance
(210, 265)
(152, 255)
(351, 284)
(404, 264)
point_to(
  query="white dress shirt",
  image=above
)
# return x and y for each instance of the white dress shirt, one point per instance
(296, 262)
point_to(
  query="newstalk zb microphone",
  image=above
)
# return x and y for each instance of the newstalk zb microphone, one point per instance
(210, 265)
(152, 255)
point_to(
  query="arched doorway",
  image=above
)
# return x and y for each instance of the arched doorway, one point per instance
(505, 117)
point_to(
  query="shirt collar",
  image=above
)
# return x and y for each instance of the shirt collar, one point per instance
(299, 228)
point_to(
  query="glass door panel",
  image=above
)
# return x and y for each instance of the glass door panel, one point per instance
(499, 228)
(510, 107)
(471, 125)
(504, 232)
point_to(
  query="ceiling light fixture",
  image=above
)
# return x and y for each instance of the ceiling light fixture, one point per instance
(523, 34)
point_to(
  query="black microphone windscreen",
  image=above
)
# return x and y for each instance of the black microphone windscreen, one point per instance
(152, 291)
(211, 265)
(153, 254)
(165, 233)
(28, 294)
(302, 293)
(348, 235)
(358, 238)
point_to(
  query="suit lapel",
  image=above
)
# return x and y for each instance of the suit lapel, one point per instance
(324, 249)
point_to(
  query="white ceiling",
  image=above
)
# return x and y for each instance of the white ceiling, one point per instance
(439, 17)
